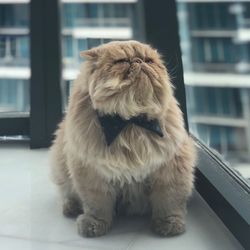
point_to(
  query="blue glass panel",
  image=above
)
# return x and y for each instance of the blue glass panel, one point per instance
(214, 49)
(24, 47)
(2, 46)
(92, 10)
(199, 95)
(82, 44)
(224, 95)
(68, 46)
(215, 137)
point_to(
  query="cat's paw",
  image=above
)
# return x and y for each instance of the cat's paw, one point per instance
(72, 208)
(89, 226)
(169, 226)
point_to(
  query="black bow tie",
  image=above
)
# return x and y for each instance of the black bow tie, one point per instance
(112, 125)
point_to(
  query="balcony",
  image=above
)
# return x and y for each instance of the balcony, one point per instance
(14, 62)
(213, 33)
(109, 28)
(214, 67)
(228, 80)
(98, 22)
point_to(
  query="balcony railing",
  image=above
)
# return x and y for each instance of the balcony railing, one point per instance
(215, 67)
(14, 61)
(99, 22)
(246, 23)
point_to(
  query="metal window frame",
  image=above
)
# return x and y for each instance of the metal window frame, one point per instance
(222, 188)
(46, 68)
(14, 126)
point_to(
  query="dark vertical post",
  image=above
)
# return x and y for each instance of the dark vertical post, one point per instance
(160, 28)
(45, 43)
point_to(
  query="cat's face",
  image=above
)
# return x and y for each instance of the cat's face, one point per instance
(127, 78)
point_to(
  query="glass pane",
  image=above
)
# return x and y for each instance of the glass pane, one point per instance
(14, 58)
(215, 41)
(86, 25)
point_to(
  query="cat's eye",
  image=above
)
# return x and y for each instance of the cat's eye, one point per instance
(148, 60)
(123, 60)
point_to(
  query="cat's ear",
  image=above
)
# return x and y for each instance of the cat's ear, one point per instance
(90, 54)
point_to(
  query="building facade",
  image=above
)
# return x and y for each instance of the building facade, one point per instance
(215, 41)
(14, 58)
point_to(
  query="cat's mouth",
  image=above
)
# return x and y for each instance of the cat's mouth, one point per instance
(138, 68)
(135, 67)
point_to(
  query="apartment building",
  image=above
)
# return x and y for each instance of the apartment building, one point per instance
(215, 41)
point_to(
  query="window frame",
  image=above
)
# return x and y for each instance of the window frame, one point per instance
(10, 126)
(225, 191)
(46, 68)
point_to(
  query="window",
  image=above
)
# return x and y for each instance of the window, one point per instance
(14, 95)
(215, 55)
(14, 15)
(14, 59)
(211, 51)
(214, 16)
(218, 111)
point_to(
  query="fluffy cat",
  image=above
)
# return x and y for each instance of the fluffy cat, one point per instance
(140, 171)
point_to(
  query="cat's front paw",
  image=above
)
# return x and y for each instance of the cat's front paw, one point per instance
(72, 208)
(169, 226)
(89, 226)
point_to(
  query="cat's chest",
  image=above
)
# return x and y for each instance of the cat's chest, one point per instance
(135, 145)
(132, 156)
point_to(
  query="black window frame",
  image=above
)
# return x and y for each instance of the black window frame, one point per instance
(225, 191)
(46, 71)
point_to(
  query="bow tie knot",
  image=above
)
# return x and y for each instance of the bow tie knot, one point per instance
(112, 125)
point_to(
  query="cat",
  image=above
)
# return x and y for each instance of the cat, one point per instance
(138, 171)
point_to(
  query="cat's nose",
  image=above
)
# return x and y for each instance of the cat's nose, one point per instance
(136, 60)
(135, 67)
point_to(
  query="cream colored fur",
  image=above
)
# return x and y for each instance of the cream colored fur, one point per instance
(139, 172)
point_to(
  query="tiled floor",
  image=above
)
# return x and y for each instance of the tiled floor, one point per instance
(31, 219)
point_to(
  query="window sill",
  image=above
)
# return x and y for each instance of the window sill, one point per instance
(226, 192)
(31, 214)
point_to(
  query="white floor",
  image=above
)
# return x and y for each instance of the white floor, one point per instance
(30, 215)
